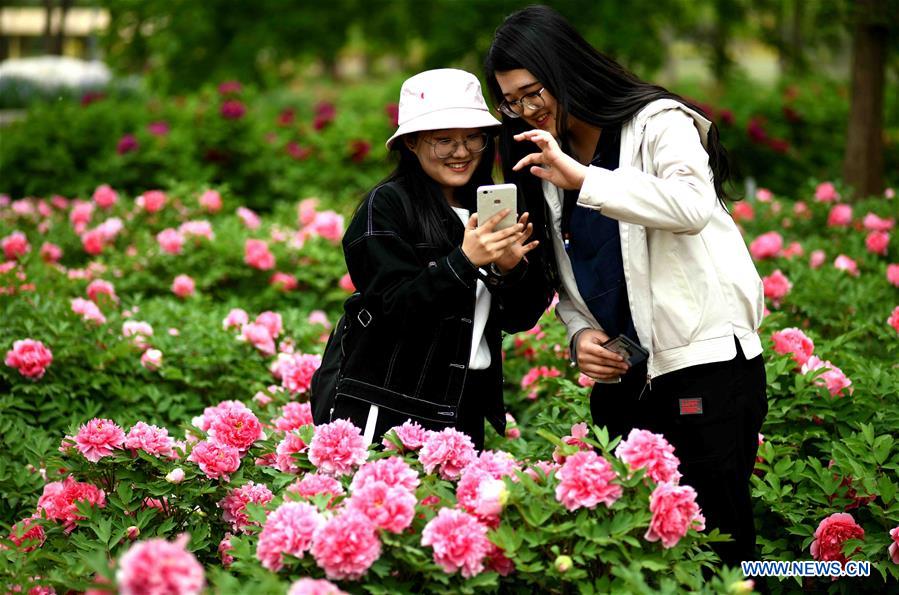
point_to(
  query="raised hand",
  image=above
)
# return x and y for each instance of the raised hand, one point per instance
(516, 251)
(551, 163)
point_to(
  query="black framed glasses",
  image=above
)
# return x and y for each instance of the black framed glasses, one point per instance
(444, 147)
(532, 101)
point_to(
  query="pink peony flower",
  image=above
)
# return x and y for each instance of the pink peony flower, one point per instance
(833, 378)
(236, 318)
(105, 197)
(893, 320)
(233, 109)
(411, 435)
(793, 249)
(110, 228)
(294, 416)
(214, 459)
(183, 286)
(283, 281)
(534, 374)
(319, 317)
(893, 274)
(459, 541)
(170, 241)
(290, 445)
(346, 546)
(889, 193)
(127, 144)
(271, 321)
(844, 263)
(28, 532)
(337, 448)
(392, 471)
(160, 566)
(313, 484)
(258, 256)
(151, 201)
(793, 341)
(644, 450)
(289, 529)
(211, 201)
(585, 381)
(15, 245)
(346, 284)
(328, 225)
(138, 331)
(249, 219)
(80, 215)
(98, 438)
(391, 508)
(311, 586)
(259, 336)
(223, 550)
(767, 245)
(826, 192)
(481, 494)
(234, 505)
(151, 359)
(763, 195)
(817, 259)
(296, 372)
(777, 286)
(585, 480)
(874, 223)
(306, 210)
(839, 216)
(99, 287)
(674, 512)
(498, 463)
(450, 450)
(88, 310)
(512, 430)
(175, 475)
(743, 211)
(832, 533)
(893, 550)
(150, 439)
(578, 431)
(235, 425)
(50, 252)
(59, 497)
(158, 128)
(877, 242)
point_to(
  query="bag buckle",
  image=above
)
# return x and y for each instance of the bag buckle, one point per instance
(367, 322)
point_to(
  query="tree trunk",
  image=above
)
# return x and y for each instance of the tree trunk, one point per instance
(48, 26)
(863, 164)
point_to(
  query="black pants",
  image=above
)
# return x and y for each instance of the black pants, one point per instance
(475, 393)
(711, 414)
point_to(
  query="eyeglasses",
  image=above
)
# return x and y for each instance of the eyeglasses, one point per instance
(532, 101)
(444, 147)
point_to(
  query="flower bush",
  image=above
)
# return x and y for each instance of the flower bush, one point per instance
(140, 424)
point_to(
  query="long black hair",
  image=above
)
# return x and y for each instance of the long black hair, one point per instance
(586, 84)
(427, 212)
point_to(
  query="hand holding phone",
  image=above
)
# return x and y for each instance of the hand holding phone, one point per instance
(493, 199)
(632, 352)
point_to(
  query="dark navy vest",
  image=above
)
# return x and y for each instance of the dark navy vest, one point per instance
(594, 249)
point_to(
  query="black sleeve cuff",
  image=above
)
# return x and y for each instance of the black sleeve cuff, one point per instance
(461, 267)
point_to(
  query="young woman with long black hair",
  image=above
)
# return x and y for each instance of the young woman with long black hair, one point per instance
(435, 287)
(633, 179)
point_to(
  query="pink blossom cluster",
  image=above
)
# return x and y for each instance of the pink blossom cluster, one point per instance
(233, 424)
(160, 566)
(234, 505)
(216, 460)
(795, 342)
(152, 440)
(832, 533)
(776, 287)
(258, 255)
(410, 434)
(459, 541)
(767, 245)
(832, 377)
(30, 357)
(579, 431)
(390, 507)
(449, 451)
(293, 416)
(324, 224)
(313, 484)
(337, 448)
(311, 586)
(88, 311)
(28, 534)
(674, 512)
(151, 201)
(893, 320)
(57, 502)
(840, 216)
(210, 201)
(346, 545)
(296, 371)
(534, 374)
(585, 480)
(15, 245)
(643, 449)
(99, 438)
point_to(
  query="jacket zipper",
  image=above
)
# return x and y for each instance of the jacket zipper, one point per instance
(648, 384)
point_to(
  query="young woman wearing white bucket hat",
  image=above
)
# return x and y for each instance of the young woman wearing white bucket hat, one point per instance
(422, 335)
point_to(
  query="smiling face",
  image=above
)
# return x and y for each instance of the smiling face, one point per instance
(517, 83)
(450, 172)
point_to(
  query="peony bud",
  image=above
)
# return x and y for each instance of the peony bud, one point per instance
(175, 476)
(132, 532)
(747, 586)
(563, 564)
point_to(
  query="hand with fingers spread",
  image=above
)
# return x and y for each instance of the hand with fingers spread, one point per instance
(482, 245)
(516, 251)
(551, 163)
(596, 361)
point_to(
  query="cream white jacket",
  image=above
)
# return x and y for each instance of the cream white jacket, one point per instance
(691, 283)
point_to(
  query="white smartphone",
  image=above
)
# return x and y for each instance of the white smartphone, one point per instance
(493, 199)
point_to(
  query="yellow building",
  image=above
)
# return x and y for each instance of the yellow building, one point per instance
(23, 31)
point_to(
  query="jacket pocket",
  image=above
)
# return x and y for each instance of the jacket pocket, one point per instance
(356, 390)
(676, 309)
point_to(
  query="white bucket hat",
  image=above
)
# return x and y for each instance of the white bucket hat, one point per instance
(439, 99)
